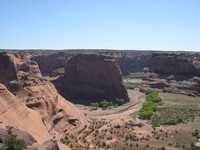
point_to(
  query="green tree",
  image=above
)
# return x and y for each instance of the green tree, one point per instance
(12, 143)
(104, 103)
(110, 104)
(119, 101)
(95, 104)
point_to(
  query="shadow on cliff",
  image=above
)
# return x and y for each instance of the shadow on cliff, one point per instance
(91, 77)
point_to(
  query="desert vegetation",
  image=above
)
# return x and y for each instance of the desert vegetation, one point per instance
(150, 105)
(135, 75)
(131, 86)
(173, 116)
(105, 104)
(11, 142)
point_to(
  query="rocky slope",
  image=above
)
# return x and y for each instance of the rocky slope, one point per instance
(180, 64)
(15, 113)
(31, 142)
(90, 77)
(174, 72)
(13, 66)
(36, 102)
(58, 115)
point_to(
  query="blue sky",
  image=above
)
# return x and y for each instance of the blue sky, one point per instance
(100, 24)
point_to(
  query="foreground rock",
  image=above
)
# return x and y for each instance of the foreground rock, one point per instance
(90, 77)
(31, 142)
(14, 113)
(36, 107)
(58, 115)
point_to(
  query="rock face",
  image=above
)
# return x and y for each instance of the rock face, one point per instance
(15, 113)
(174, 72)
(58, 61)
(7, 69)
(29, 140)
(58, 115)
(185, 64)
(35, 102)
(90, 77)
(189, 86)
(13, 67)
(129, 61)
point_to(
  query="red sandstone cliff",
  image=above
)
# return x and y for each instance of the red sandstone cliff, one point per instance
(36, 101)
(90, 77)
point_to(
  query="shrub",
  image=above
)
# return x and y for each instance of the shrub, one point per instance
(149, 91)
(110, 104)
(95, 104)
(146, 114)
(131, 86)
(119, 101)
(117, 126)
(104, 103)
(153, 97)
(12, 143)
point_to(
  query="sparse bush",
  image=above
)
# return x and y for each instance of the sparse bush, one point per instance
(131, 86)
(119, 101)
(110, 104)
(12, 143)
(95, 105)
(117, 126)
(104, 103)
(136, 75)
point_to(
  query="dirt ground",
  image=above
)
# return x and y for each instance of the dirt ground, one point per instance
(136, 100)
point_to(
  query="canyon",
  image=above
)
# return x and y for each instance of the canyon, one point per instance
(41, 87)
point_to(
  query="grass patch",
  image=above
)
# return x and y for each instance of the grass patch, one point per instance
(173, 116)
(131, 86)
(137, 75)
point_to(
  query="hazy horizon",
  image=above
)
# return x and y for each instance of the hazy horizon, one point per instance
(109, 25)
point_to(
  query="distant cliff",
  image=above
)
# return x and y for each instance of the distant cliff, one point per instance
(91, 77)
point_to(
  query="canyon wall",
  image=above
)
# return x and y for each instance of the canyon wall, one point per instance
(34, 101)
(91, 77)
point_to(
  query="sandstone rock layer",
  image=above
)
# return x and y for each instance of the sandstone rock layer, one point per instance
(90, 77)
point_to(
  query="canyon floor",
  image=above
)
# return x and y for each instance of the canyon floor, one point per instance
(121, 127)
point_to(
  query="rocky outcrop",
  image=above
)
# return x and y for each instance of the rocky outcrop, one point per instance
(173, 72)
(7, 69)
(36, 103)
(129, 61)
(90, 77)
(52, 64)
(28, 138)
(31, 142)
(14, 113)
(169, 84)
(185, 64)
(56, 113)
(48, 145)
(14, 66)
